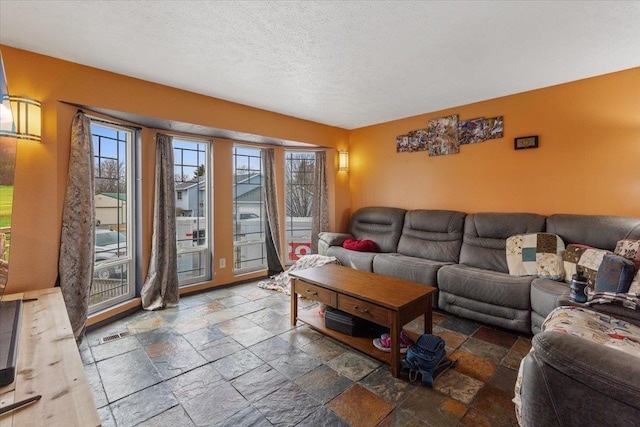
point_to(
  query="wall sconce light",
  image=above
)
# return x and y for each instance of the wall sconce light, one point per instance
(343, 161)
(21, 118)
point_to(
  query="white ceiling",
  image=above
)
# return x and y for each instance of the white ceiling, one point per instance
(342, 63)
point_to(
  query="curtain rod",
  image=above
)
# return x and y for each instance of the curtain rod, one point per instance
(138, 126)
(113, 123)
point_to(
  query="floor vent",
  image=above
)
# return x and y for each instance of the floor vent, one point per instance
(114, 337)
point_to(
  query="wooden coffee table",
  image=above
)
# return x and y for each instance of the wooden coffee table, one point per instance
(381, 299)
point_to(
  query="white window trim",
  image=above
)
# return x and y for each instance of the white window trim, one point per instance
(130, 262)
(207, 250)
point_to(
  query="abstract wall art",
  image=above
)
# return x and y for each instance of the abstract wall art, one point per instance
(471, 131)
(445, 135)
(442, 135)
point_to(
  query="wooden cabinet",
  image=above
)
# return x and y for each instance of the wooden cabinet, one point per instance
(48, 364)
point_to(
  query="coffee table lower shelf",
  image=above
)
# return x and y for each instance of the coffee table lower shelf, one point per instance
(364, 345)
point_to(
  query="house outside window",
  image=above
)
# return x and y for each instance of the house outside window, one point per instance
(114, 268)
(193, 220)
(248, 211)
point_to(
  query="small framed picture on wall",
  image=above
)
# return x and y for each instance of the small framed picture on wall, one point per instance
(524, 142)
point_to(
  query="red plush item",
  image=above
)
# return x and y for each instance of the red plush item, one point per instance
(360, 245)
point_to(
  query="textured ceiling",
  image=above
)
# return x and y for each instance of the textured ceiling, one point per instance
(342, 63)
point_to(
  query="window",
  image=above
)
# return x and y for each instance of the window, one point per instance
(248, 211)
(299, 181)
(114, 269)
(193, 225)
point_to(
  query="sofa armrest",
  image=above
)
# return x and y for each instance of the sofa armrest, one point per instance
(609, 371)
(334, 239)
(327, 239)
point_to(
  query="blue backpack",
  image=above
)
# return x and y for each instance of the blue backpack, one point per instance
(427, 358)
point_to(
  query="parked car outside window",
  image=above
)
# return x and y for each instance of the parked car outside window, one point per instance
(247, 215)
(110, 245)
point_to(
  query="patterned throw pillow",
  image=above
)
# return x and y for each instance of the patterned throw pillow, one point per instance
(538, 254)
(585, 257)
(630, 249)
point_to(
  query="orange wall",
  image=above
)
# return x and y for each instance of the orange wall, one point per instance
(41, 168)
(588, 160)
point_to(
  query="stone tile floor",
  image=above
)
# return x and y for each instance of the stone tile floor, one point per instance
(229, 357)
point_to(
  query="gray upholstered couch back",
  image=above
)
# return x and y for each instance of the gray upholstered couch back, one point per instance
(432, 234)
(599, 231)
(382, 225)
(486, 233)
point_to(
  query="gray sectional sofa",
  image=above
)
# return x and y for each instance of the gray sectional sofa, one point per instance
(463, 255)
(566, 380)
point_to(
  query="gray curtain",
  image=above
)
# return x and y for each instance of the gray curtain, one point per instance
(272, 223)
(77, 238)
(320, 220)
(160, 289)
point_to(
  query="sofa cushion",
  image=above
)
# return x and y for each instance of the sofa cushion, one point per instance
(538, 254)
(486, 233)
(487, 296)
(432, 234)
(383, 225)
(365, 245)
(414, 269)
(485, 285)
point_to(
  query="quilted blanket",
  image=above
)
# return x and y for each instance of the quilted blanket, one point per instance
(281, 282)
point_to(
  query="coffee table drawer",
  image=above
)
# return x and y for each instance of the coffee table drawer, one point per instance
(365, 310)
(315, 293)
